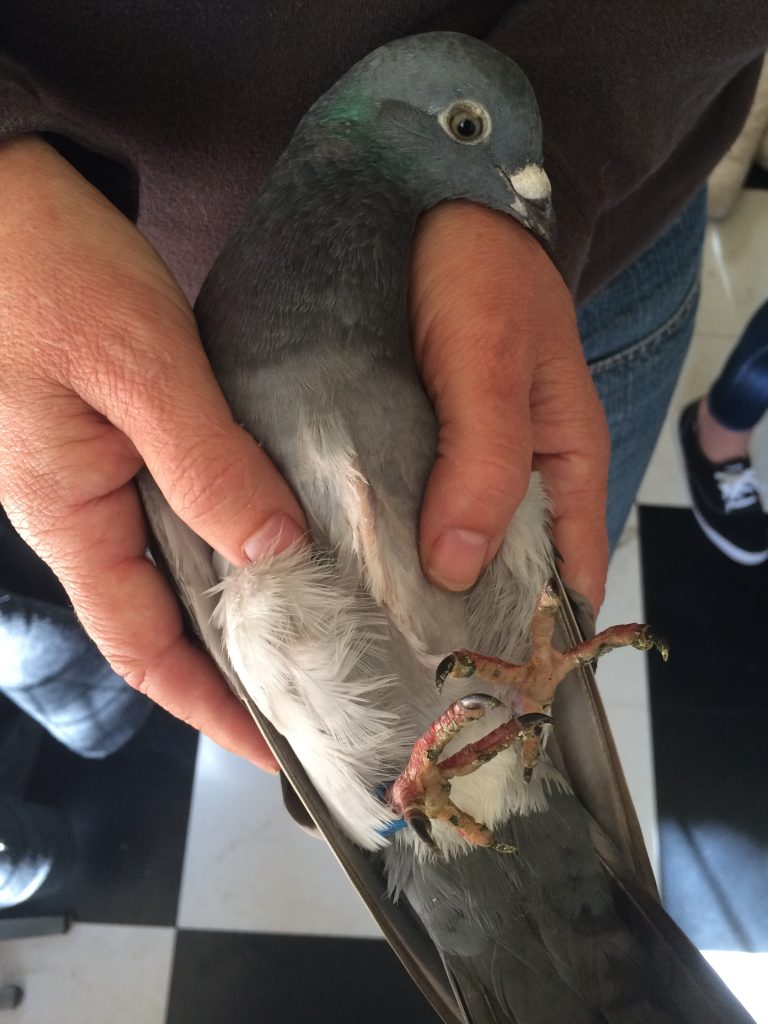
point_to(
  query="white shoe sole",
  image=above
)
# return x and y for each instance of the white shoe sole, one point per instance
(722, 544)
(736, 554)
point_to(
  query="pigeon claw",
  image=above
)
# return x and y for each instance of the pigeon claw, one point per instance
(533, 683)
(422, 792)
(456, 666)
(633, 634)
(534, 718)
(646, 640)
(416, 819)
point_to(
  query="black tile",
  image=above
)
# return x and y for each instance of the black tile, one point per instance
(129, 817)
(713, 826)
(709, 709)
(711, 610)
(22, 572)
(757, 177)
(242, 978)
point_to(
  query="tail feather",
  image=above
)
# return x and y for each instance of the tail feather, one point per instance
(546, 935)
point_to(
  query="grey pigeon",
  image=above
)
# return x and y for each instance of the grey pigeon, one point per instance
(338, 646)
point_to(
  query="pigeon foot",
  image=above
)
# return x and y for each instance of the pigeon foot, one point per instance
(535, 682)
(422, 791)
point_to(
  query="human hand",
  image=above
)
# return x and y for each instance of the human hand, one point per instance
(101, 369)
(495, 337)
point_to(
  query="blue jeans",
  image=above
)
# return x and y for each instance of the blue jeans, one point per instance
(635, 333)
(739, 396)
(53, 672)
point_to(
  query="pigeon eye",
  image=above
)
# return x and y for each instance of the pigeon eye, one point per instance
(466, 122)
(467, 127)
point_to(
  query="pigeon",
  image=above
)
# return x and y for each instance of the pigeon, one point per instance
(419, 716)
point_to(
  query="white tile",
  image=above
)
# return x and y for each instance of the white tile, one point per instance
(735, 272)
(706, 358)
(745, 975)
(631, 728)
(663, 483)
(622, 679)
(93, 974)
(248, 866)
(621, 675)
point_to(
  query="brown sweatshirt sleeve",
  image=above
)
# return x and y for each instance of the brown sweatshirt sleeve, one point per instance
(637, 103)
(23, 111)
(20, 107)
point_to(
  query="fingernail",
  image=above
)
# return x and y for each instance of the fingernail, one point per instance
(457, 558)
(277, 534)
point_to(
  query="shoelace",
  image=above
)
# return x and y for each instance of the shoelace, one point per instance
(739, 488)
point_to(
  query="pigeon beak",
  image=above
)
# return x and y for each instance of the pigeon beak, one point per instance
(532, 200)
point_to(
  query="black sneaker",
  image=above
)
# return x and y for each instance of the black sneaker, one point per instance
(725, 498)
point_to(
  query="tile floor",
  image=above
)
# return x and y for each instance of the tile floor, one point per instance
(240, 890)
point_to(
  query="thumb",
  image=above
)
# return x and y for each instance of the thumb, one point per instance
(483, 464)
(476, 351)
(214, 475)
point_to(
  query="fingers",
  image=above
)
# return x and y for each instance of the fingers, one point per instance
(479, 384)
(76, 505)
(101, 368)
(213, 474)
(572, 448)
(496, 341)
(578, 528)
(96, 311)
(483, 465)
(146, 372)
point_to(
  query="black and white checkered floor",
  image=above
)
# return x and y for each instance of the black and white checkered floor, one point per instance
(197, 901)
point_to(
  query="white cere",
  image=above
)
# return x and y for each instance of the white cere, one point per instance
(531, 182)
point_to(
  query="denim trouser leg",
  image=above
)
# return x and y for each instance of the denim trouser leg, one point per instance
(51, 670)
(636, 332)
(739, 396)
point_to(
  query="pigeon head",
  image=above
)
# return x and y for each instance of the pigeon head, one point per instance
(450, 118)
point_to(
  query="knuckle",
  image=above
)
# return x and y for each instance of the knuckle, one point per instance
(125, 361)
(208, 484)
(145, 677)
(110, 369)
(134, 674)
(45, 490)
(596, 441)
(472, 362)
(491, 488)
(497, 495)
(34, 509)
(136, 671)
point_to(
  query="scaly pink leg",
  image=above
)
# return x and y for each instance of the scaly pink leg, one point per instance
(422, 791)
(535, 681)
